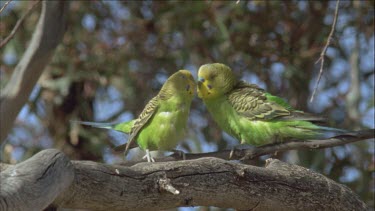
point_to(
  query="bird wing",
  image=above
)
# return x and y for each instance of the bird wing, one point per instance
(142, 120)
(251, 102)
(300, 115)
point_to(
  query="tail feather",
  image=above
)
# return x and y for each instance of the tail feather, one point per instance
(96, 124)
(124, 127)
(363, 134)
(330, 132)
(321, 132)
(302, 116)
(336, 132)
(311, 130)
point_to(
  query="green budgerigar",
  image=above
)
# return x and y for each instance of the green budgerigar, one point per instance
(162, 122)
(252, 115)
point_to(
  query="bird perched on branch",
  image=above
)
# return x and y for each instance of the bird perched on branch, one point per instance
(252, 115)
(163, 121)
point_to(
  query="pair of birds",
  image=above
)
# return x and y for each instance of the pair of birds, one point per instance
(243, 110)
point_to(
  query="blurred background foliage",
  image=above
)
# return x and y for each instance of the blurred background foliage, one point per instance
(115, 56)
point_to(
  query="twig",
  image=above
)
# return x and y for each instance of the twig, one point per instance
(165, 184)
(248, 154)
(310, 144)
(323, 53)
(18, 24)
(4, 6)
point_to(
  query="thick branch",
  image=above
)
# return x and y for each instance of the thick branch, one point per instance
(35, 183)
(163, 185)
(47, 35)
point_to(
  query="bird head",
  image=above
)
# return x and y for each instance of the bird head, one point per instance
(182, 83)
(214, 80)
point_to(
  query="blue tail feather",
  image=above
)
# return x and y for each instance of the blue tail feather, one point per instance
(96, 124)
(332, 129)
(332, 132)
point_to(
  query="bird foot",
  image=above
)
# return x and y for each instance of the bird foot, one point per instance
(179, 153)
(238, 149)
(148, 156)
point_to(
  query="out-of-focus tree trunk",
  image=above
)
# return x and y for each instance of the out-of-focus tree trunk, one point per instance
(47, 35)
(354, 95)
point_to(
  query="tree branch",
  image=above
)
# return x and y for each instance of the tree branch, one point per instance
(248, 154)
(164, 185)
(36, 182)
(4, 6)
(323, 53)
(47, 35)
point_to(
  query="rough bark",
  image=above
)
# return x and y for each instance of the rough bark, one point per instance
(36, 182)
(163, 185)
(47, 35)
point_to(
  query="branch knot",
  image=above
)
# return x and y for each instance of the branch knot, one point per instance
(165, 184)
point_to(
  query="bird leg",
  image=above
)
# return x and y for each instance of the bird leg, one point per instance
(241, 146)
(148, 156)
(180, 153)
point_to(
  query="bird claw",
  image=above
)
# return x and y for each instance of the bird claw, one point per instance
(232, 152)
(237, 151)
(149, 159)
(180, 153)
(148, 156)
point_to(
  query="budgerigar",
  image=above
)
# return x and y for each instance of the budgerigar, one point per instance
(162, 122)
(252, 115)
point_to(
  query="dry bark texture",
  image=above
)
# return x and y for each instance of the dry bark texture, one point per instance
(50, 178)
(36, 182)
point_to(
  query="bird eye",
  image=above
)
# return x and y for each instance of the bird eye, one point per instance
(209, 86)
(183, 76)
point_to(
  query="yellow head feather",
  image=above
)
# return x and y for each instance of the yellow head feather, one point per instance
(181, 82)
(215, 80)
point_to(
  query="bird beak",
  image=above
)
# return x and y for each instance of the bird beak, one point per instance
(200, 79)
(201, 88)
